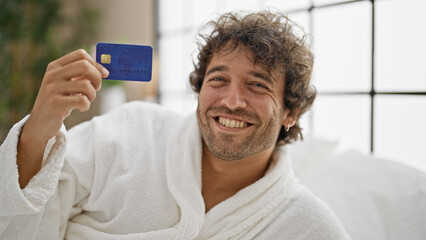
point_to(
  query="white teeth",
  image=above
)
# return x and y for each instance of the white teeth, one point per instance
(231, 123)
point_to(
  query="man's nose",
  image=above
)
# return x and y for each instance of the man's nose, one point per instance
(234, 97)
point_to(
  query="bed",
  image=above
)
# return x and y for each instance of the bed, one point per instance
(374, 198)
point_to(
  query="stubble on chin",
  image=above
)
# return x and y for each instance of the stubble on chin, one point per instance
(232, 147)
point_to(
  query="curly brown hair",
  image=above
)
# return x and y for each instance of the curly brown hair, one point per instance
(275, 46)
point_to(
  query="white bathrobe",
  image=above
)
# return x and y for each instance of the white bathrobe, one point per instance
(135, 173)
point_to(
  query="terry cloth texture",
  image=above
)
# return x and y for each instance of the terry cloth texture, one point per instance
(135, 173)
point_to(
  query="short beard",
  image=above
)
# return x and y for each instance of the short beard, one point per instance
(227, 149)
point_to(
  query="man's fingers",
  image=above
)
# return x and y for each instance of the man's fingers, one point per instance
(77, 87)
(79, 102)
(103, 70)
(77, 55)
(77, 69)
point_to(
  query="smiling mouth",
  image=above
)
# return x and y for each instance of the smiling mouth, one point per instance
(231, 123)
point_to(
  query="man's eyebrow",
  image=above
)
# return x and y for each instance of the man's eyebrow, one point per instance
(262, 76)
(217, 69)
(253, 73)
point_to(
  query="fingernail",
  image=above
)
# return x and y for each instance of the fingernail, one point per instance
(104, 72)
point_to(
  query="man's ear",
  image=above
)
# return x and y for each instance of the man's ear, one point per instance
(290, 118)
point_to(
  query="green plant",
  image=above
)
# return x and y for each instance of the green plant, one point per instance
(32, 34)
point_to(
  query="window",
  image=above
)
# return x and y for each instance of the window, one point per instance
(368, 68)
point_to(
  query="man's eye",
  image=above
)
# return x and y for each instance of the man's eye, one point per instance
(259, 85)
(216, 82)
(217, 79)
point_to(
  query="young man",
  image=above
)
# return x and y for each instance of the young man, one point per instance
(141, 172)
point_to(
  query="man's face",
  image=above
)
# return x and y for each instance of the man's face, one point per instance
(240, 106)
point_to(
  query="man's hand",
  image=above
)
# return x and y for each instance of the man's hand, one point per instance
(70, 82)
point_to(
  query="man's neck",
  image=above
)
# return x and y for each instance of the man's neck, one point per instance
(223, 178)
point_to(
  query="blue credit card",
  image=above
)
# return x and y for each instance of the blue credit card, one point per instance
(125, 61)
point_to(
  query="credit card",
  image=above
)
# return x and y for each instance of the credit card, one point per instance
(125, 61)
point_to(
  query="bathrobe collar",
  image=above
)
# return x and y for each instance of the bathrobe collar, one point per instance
(234, 215)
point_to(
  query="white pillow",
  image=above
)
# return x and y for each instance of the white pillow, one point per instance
(309, 152)
(374, 198)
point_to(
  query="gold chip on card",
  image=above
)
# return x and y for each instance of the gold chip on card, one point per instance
(105, 58)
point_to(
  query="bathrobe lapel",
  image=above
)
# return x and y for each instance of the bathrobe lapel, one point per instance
(183, 170)
(237, 216)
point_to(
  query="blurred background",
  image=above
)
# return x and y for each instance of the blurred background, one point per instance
(369, 61)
